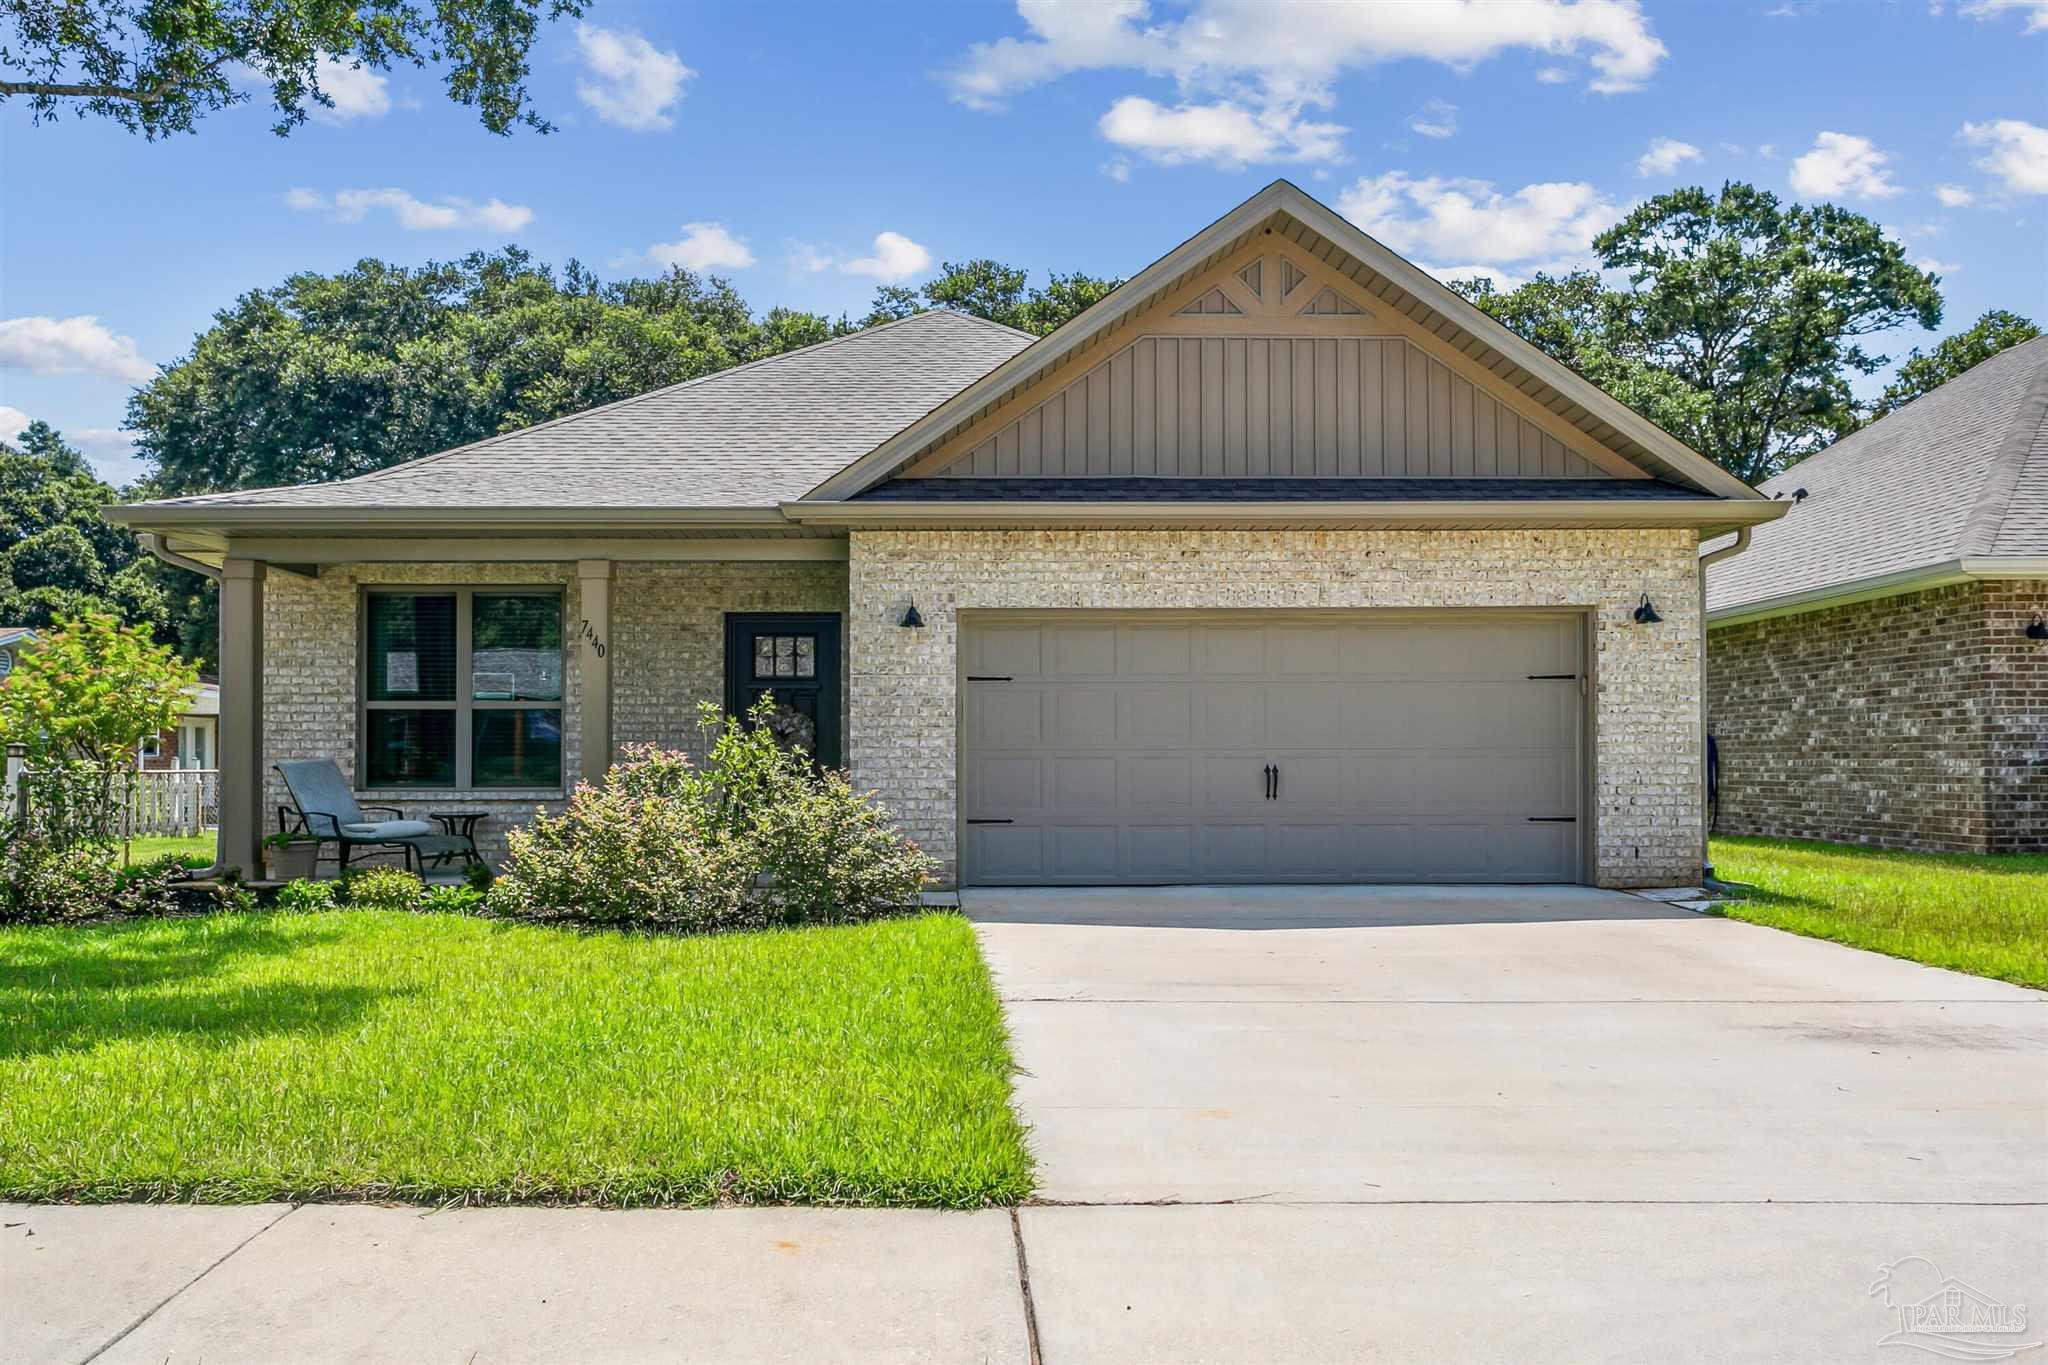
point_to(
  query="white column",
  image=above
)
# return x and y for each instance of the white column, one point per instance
(593, 660)
(241, 756)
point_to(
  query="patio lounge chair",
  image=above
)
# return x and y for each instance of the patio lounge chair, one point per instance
(327, 809)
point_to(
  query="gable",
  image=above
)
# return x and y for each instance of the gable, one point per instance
(1263, 367)
(1283, 247)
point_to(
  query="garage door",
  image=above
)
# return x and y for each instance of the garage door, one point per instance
(1101, 749)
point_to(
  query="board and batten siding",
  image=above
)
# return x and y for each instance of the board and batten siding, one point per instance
(1271, 407)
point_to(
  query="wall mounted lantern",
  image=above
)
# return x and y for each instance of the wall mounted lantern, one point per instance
(2037, 629)
(911, 620)
(1645, 614)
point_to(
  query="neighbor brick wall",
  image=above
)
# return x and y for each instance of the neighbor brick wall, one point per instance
(1917, 721)
(903, 692)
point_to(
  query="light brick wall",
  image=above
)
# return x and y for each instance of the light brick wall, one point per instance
(310, 675)
(1918, 721)
(668, 636)
(903, 690)
(667, 654)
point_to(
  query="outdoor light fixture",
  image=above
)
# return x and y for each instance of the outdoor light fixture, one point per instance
(1644, 613)
(911, 620)
(2037, 629)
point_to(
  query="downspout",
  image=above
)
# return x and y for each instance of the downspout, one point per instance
(1725, 552)
(152, 542)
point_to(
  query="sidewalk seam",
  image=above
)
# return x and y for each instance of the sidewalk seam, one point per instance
(164, 1302)
(1024, 1285)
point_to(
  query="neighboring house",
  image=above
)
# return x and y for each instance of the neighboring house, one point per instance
(15, 641)
(1878, 660)
(1281, 563)
(191, 743)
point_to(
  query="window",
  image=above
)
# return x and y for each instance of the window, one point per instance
(462, 687)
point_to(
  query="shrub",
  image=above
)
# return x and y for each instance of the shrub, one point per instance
(384, 888)
(43, 881)
(453, 900)
(753, 838)
(304, 895)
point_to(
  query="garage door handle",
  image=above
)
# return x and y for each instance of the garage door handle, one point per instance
(1540, 677)
(991, 822)
(1553, 819)
(989, 677)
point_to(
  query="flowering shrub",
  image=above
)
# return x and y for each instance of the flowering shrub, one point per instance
(753, 838)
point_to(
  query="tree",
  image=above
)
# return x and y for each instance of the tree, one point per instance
(90, 690)
(989, 289)
(1740, 325)
(58, 556)
(329, 376)
(1996, 331)
(156, 66)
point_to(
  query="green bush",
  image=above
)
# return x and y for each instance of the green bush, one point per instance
(43, 881)
(384, 888)
(453, 900)
(304, 895)
(753, 838)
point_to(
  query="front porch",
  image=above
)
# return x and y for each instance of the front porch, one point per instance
(461, 719)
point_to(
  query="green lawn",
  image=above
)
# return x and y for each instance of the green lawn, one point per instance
(435, 1058)
(1986, 915)
(142, 850)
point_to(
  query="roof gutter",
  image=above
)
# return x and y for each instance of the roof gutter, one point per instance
(1712, 515)
(154, 543)
(463, 520)
(1920, 578)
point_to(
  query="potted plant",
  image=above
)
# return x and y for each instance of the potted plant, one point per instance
(290, 855)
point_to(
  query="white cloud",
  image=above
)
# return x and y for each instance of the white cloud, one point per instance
(1225, 134)
(2035, 10)
(357, 92)
(631, 82)
(414, 215)
(1934, 267)
(75, 345)
(2015, 151)
(1117, 168)
(703, 246)
(1954, 196)
(1245, 81)
(1502, 280)
(1554, 75)
(1438, 118)
(1767, 151)
(1842, 163)
(1665, 156)
(12, 422)
(1472, 221)
(896, 258)
(806, 259)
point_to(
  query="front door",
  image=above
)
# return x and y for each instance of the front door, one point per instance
(794, 658)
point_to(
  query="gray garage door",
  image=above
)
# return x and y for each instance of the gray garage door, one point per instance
(1246, 747)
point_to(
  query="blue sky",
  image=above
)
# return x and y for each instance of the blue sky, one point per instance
(812, 152)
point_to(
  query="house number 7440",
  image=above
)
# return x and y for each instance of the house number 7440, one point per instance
(596, 643)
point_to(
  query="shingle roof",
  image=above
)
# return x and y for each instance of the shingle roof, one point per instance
(750, 436)
(1961, 472)
(1127, 489)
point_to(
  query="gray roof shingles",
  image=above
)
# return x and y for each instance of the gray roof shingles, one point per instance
(1961, 471)
(751, 436)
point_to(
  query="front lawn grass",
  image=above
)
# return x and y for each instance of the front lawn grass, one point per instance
(435, 1058)
(149, 847)
(1984, 915)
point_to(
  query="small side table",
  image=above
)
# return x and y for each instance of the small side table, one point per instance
(458, 836)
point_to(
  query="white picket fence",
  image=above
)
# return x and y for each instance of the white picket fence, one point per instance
(174, 801)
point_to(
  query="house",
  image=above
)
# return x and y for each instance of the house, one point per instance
(14, 642)
(193, 742)
(1878, 660)
(1280, 563)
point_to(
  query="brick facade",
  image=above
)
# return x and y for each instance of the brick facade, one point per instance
(903, 690)
(1918, 721)
(668, 650)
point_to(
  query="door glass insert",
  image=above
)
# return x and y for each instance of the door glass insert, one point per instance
(785, 656)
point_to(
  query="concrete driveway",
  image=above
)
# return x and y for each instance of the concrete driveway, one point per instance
(1320, 1123)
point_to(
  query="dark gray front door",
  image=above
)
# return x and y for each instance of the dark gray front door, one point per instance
(1246, 747)
(795, 659)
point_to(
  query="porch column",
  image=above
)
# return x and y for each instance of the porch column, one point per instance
(593, 655)
(241, 715)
